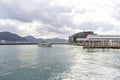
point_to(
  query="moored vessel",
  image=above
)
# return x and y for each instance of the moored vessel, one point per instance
(45, 44)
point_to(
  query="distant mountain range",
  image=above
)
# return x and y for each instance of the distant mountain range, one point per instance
(8, 36)
(31, 38)
(11, 37)
(55, 40)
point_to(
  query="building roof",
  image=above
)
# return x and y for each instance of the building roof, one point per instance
(103, 36)
(83, 34)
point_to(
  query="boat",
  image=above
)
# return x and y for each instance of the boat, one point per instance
(45, 44)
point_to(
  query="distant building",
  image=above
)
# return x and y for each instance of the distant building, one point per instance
(80, 37)
(70, 39)
(91, 39)
(3, 41)
(104, 39)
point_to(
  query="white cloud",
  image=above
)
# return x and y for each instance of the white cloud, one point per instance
(59, 18)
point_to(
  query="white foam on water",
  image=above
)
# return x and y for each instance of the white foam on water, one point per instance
(90, 66)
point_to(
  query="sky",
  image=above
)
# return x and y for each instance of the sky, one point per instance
(59, 18)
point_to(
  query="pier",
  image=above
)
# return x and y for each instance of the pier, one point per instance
(103, 41)
(101, 46)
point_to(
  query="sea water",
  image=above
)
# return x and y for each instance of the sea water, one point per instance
(59, 62)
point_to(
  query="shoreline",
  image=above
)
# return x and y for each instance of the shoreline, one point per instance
(25, 43)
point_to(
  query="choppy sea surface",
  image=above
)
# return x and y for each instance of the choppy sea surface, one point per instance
(59, 62)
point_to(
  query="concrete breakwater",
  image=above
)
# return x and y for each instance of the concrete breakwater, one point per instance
(19, 43)
(25, 43)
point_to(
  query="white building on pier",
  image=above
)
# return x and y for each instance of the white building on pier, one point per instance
(111, 40)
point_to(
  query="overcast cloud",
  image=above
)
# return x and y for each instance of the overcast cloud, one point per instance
(59, 18)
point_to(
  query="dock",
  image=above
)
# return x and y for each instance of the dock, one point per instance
(101, 47)
(103, 41)
(105, 45)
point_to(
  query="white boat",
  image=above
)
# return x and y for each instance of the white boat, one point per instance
(45, 44)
